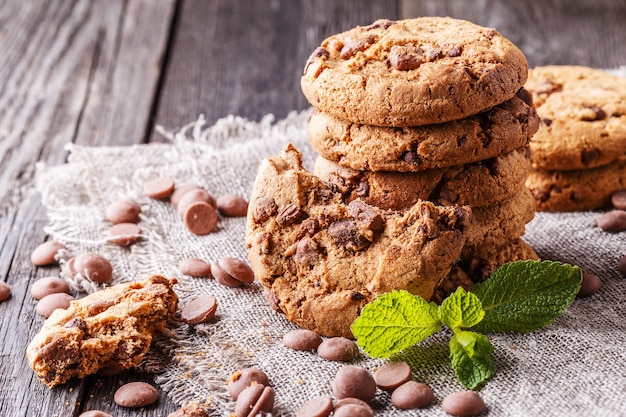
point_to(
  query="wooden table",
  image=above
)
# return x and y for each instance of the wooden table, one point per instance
(106, 72)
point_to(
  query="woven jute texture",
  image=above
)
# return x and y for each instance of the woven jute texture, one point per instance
(576, 366)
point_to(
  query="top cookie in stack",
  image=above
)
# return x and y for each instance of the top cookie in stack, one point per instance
(413, 72)
(427, 109)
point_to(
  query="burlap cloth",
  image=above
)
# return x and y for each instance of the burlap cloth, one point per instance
(574, 367)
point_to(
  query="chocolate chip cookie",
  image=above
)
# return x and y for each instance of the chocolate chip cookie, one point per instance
(322, 260)
(477, 184)
(502, 129)
(583, 114)
(413, 72)
(579, 190)
(499, 223)
(109, 329)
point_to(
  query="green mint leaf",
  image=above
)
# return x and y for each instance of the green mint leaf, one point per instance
(524, 296)
(394, 322)
(470, 353)
(461, 309)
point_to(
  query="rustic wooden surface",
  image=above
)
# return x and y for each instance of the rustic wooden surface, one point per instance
(105, 73)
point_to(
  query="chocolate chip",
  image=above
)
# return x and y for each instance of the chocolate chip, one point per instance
(405, 61)
(302, 339)
(93, 266)
(613, 221)
(618, 199)
(232, 272)
(98, 307)
(525, 96)
(58, 352)
(76, 322)
(410, 157)
(191, 197)
(463, 404)
(391, 375)
(159, 188)
(232, 205)
(307, 253)
(316, 407)
(338, 349)
(5, 291)
(352, 407)
(546, 121)
(288, 214)
(433, 55)
(363, 189)
(123, 211)
(44, 254)
(199, 310)
(135, 395)
(346, 234)
(352, 48)
(124, 234)
(47, 286)
(587, 156)
(455, 51)
(179, 192)
(46, 306)
(254, 400)
(354, 381)
(366, 215)
(308, 227)
(200, 218)
(411, 395)
(264, 208)
(243, 378)
(195, 267)
(596, 114)
(356, 296)
(589, 285)
(319, 52)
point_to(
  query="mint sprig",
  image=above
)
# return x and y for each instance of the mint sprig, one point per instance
(520, 296)
(524, 296)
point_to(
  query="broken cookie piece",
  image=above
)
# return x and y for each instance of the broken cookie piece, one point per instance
(323, 265)
(112, 328)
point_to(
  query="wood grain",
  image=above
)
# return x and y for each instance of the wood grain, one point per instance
(246, 58)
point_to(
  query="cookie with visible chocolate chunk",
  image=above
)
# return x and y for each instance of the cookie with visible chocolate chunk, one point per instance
(322, 260)
(477, 266)
(112, 328)
(476, 184)
(583, 114)
(579, 190)
(506, 127)
(413, 72)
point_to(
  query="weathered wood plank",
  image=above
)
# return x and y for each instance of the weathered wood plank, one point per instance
(550, 32)
(71, 71)
(246, 58)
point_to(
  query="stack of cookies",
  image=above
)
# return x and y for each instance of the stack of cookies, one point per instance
(422, 129)
(579, 153)
(429, 109)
